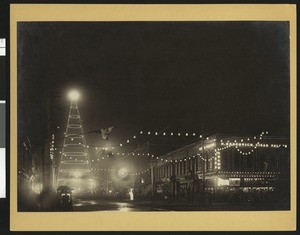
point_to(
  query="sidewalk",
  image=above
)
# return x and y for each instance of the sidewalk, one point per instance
(165, 203)
(189, 206)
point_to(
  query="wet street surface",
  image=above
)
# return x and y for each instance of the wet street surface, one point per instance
(102, 205)
(128, 206)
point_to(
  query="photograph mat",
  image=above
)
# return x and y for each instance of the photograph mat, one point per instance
(143, 221)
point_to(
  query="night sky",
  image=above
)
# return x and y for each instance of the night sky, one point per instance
(222, 77)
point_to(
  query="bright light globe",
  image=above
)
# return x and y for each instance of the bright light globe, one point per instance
(73, 95)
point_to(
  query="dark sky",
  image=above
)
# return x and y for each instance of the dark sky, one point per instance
(227, 77)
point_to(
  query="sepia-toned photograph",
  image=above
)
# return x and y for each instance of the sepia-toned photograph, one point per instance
(153, 116)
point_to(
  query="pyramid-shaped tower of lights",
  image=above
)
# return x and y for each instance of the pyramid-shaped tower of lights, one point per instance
(75, 168)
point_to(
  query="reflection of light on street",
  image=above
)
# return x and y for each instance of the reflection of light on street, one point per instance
(85, 203)
(123, 207)
(78, 204)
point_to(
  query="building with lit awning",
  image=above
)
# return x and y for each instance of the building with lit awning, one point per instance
(224, 163)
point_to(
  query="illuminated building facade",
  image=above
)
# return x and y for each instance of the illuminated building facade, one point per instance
(222, 162)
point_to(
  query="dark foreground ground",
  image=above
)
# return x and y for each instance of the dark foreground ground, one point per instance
(126, 205)
(50, 202)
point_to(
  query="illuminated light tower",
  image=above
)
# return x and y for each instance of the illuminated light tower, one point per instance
(75, 168)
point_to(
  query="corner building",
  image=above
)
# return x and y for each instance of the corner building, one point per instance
(220, 163)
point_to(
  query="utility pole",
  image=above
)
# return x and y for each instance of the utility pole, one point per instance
(203, 171)
(132, 181)
(173, 180)
(204, 159)
(152, 178)
(132, 175)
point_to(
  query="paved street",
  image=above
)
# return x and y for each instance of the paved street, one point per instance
(128, 206)
(101, 205)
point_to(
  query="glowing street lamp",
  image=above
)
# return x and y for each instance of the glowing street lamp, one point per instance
(123, 172)
(73, 95)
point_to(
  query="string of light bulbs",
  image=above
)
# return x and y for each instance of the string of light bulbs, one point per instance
(141, 172)
(228, 144)
(158, 134)
(113, 170)
(163, 133)
(107, 156)
(238, 144)
(105, 180)
(103, 169)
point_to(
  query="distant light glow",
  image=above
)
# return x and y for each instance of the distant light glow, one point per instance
(123, 172)
(223, 182)
(37, 187)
